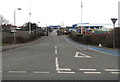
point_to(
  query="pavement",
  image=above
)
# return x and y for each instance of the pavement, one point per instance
(111, 51)
(56, 58)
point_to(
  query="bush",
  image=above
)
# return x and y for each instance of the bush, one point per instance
(22, 38)
(95, 39)
(117, 38)
(8, 39)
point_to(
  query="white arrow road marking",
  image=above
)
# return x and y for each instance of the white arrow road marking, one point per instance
(61, 69)
(82, 55)
(17, 71)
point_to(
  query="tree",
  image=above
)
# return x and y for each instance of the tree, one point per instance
(33, 26)
(3, 20)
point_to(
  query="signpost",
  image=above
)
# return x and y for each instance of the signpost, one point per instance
(113, 21)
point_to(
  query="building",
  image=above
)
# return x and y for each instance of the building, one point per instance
(119, 14)
(88, 28)
(91, 26)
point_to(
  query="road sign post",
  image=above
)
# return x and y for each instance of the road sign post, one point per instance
(113, 21)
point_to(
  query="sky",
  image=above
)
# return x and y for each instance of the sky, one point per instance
(58, 12)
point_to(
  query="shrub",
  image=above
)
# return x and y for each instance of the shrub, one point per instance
(8, 39)
(95, 39)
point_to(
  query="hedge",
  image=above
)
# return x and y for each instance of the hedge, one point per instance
(95, 39)
(22, 38)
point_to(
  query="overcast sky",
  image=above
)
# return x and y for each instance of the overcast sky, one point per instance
(54, 12)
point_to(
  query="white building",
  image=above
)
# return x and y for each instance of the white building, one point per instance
(92, 26)
(119, 14)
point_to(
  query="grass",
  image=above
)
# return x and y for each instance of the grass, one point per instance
(0, 44)
(4, 44)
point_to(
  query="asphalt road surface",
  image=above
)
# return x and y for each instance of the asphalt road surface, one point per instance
(55, 58)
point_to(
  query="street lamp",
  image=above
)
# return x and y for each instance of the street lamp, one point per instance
(114, 21)
(29, 22)
(15, 24)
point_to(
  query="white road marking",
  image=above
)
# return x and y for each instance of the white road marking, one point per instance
(83, 55)
(17, 71)
(64, 69)
(40, 72)
(56, 51)
(56, 63)
(115, 72)
(112, 70)
(61, 69)
(55, 47)
(87, 69)
(65, 72)
(92, 72)
(0, 71)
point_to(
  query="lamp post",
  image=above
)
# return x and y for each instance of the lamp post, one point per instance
(81, 16)
(15, 24)
(114, 21)
(29, 22)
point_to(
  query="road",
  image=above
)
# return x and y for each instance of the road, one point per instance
(55, 58)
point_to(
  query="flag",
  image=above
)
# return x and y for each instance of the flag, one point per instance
(81, 4)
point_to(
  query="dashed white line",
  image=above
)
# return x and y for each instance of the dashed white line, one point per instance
(65, 72)
(112, 69)
(87, 69)
(115, 72)
(17, 71)
(40, 72)
(92, 72)
(55, 47)
(56, 51)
